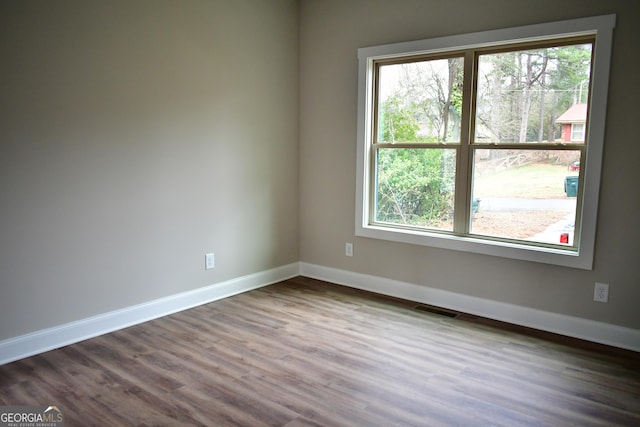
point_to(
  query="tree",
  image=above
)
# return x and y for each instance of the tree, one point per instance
(398, 124)
(453, 103)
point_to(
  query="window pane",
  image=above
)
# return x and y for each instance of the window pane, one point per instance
(415, 187)
(532, 95)
(526, 194)
(420, 101)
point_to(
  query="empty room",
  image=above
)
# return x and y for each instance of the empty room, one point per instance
(319, 213)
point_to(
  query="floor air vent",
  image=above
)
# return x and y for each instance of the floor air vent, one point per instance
(435, 310)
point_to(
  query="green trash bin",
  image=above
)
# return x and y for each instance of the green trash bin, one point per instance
(571, 186)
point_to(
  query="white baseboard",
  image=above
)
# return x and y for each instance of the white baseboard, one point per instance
(60, 336)
(590, 330)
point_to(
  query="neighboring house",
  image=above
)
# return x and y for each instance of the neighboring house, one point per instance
(573, 123)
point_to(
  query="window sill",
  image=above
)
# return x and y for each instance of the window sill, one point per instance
(524, 252)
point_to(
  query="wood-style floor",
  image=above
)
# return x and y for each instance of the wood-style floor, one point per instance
(308, 353)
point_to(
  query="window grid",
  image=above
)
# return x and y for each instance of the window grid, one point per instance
(466, 148)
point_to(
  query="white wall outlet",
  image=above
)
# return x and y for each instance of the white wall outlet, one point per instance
(601, 292)
(348, 249)
(209, 261)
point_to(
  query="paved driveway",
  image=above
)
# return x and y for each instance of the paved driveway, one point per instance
(505, 205)
(552, 233)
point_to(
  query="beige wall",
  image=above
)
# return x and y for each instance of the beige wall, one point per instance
(134, 137)
(331, 32)
(137, 135)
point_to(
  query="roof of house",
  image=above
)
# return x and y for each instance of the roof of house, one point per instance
(577, 113)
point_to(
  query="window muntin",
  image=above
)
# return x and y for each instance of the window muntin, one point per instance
(529, 37)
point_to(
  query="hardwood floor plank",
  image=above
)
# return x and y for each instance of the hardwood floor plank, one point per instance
(309, 353)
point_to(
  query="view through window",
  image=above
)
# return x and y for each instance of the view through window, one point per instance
(492, 148)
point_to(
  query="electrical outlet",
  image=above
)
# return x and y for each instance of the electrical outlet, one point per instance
(348, 249)
(209, 261)
(601, 292)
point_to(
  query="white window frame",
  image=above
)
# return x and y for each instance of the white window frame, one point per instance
(577, 135)
(599, 26)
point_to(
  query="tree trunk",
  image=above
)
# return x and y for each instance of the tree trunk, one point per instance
(541, 110)
(530, 80)
(526, 102)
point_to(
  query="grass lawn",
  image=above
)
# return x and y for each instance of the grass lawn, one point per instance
(535, 181)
